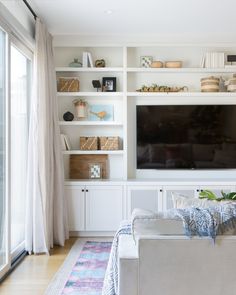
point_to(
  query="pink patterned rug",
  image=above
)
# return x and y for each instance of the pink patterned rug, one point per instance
(87, 275)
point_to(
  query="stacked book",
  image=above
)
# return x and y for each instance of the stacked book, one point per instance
(213, 60)
(87, 60)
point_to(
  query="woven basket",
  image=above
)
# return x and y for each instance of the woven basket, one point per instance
(68, 85)
(109, 143)
(89, 143)
(210, 84)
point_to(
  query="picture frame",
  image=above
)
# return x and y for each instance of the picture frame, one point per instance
(146, 61)
(95, 170)
(109, 84)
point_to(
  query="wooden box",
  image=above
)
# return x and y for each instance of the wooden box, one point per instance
(68, 84)
(89, 143)
(80, 164)
(110, 143)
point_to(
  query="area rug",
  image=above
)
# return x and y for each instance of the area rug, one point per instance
(83, 274)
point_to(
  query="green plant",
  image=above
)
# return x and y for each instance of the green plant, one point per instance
(207, 194)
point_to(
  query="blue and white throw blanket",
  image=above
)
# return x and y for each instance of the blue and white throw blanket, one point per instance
(196, 221)
(110, 285)
(207, 222)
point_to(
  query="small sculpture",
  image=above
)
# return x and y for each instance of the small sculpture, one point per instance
(68, 116)
(75, 64)
(100, 63)
(101, 115)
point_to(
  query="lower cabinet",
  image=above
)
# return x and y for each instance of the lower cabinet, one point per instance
(94, 208)
(75, 195)
(147, 197)
(104, 207)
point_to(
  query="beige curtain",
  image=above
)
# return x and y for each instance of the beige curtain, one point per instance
(46, 220)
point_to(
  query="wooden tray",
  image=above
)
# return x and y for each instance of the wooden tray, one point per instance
(79, 165)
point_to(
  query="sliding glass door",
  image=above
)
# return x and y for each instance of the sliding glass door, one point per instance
(20, 81)
(4, 208)
(15, 81)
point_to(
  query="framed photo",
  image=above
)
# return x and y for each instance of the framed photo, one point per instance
(101, 112)
(95, 170)
(109, 84)
(145, 61)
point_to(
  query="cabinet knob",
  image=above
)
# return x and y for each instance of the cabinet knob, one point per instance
(197, 190)
(82, 190)
(161, 190)
(86, 190)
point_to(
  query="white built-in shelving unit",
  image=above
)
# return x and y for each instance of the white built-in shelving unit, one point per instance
(123, 62)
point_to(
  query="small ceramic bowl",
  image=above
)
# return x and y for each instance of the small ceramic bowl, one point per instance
(173, 64)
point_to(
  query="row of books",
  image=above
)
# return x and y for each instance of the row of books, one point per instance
(87, 60)
(213, 60)
(65, 143)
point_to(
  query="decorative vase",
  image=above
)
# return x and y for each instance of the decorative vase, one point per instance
(75, 64)
(68, 116)
(81, 108)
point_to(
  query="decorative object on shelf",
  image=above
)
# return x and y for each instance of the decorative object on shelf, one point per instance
(146, 61)
(156, 88)
(231, 84)
(65, 143)
(87, 60)
(75, 64)
(210, 84)
(79, 165)
(81, 108)
(109, 84)
(110, 143)
(95, 170)
(100, 112)
(96, 84)
(68, 116)
(173, 64)
(157, 64)
(88, 143)
(231, 59)
(213, 60)
(66, 84)
(100, 63)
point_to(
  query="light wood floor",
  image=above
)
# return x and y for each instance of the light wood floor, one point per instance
(34, 273)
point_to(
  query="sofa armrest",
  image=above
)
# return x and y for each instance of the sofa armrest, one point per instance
(128, 266)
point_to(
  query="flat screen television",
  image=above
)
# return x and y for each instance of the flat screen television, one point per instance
(186, 137)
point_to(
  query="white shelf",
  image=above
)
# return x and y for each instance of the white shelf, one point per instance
(184, 94)
(79, 152)
(101, 94)
(87, 70)
(181, 70)
(90, 123)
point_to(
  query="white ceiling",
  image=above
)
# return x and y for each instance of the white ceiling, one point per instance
(88, 17)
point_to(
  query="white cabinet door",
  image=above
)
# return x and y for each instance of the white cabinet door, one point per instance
(76, 207)
(104, 207)
(144, 197)
(188, 191)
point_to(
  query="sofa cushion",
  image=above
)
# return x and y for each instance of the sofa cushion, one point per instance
(145, 222)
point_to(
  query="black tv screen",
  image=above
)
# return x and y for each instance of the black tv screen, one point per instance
(186, 137)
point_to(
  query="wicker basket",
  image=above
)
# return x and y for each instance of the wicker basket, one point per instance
(109, 143)
(89, 143)
(68, 85)
(210, 84)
